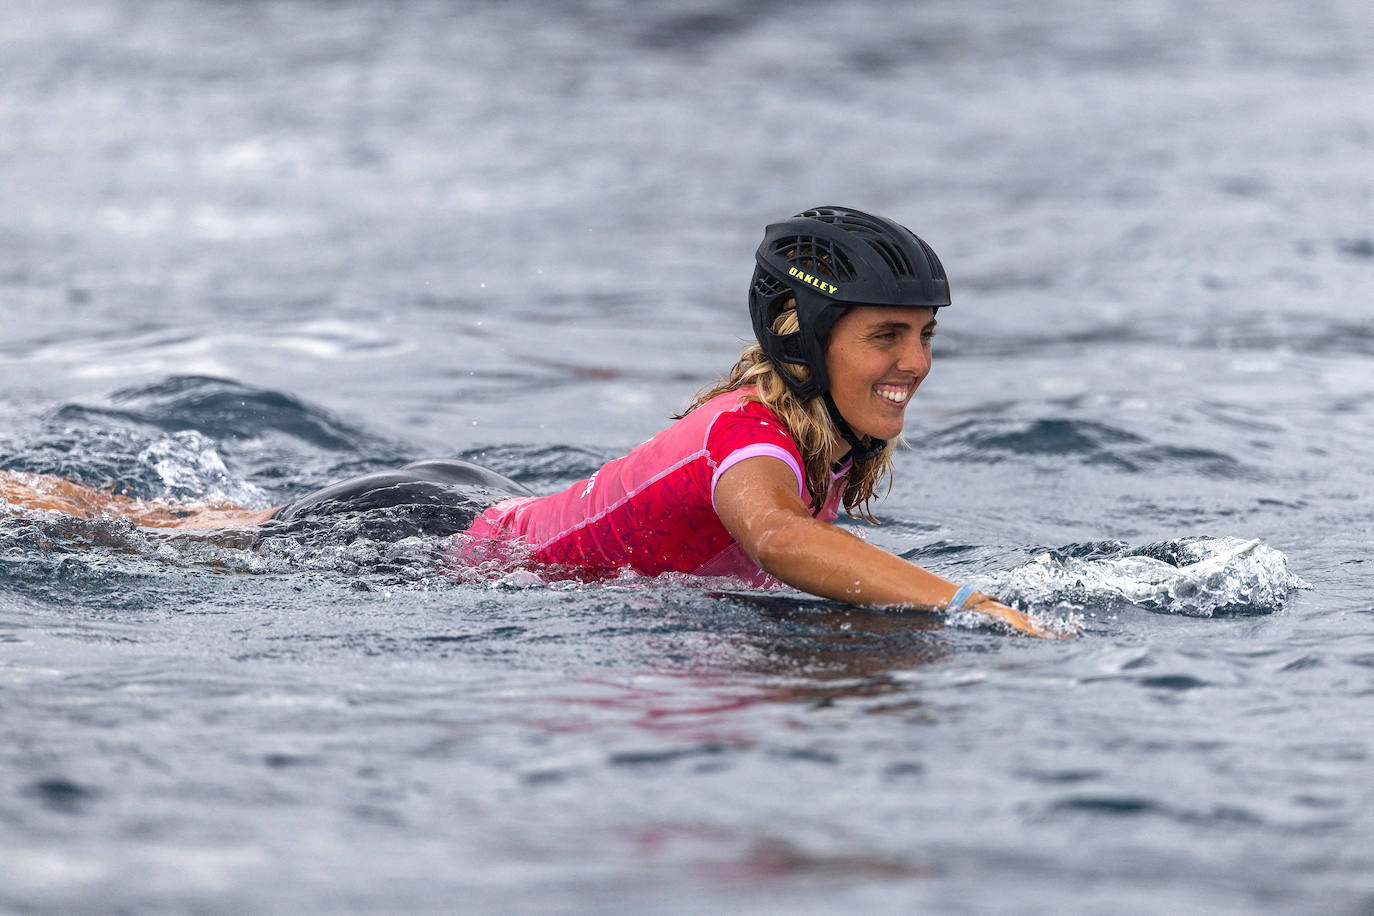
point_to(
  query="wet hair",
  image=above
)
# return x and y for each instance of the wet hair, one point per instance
(808, 422)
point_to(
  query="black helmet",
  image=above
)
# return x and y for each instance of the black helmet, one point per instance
(830, 259)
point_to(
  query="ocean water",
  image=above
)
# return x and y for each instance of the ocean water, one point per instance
(247, 249)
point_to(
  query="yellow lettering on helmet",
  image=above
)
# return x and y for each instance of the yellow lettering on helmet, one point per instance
(814, 281)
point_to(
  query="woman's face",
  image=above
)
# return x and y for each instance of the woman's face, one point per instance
(876, 357)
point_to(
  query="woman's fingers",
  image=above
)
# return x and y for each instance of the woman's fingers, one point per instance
(1018, 620)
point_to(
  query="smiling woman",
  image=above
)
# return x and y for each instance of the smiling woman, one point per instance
(749, 480)
(876, 358)
(746, 484)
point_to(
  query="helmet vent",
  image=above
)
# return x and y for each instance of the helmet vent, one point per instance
(767, 286)
(821, 257)
(894, 257)
(875, 234)
(937, 270)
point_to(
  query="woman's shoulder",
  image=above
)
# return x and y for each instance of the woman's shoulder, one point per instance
(739, 417)
(727, 421)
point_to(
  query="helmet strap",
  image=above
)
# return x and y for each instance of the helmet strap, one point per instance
(858, 449)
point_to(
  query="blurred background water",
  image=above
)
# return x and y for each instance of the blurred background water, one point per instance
(247, 248)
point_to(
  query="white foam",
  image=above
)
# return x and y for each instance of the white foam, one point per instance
(1224, 573)
(192, 470)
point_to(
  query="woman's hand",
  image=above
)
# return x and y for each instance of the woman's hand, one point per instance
(1018, 620)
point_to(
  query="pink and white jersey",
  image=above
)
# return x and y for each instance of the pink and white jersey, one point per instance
(652, 511)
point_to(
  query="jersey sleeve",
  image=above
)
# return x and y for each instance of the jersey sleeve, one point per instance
(751, 431)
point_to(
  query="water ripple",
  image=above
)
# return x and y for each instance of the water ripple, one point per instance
(993, 440)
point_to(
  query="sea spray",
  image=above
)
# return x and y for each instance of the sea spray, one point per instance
(1194, 576)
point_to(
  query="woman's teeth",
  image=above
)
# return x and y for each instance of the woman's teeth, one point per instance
(893, 393)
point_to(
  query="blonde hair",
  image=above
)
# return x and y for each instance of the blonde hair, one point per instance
(808, 422)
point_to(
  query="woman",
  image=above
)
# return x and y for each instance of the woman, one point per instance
(749, 480)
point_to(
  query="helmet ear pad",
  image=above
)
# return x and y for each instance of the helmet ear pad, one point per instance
(803, 348)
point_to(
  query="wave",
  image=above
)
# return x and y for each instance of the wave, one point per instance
(224, 409)
(1193, 576)
(196, 439)
(992, 440)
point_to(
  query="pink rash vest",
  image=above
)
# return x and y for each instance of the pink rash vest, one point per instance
(652, 511)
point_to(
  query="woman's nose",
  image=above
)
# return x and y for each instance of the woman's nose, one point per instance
(915, 358)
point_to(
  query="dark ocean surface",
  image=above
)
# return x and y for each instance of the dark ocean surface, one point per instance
(249, 248)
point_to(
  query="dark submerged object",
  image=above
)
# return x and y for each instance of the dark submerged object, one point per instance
(435, 497)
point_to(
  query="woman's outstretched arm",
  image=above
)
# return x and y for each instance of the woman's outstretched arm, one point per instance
(757, 502)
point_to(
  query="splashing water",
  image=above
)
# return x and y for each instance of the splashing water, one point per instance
(1198, 577)
(192, 471)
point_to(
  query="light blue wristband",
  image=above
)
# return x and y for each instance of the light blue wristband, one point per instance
(960, 598)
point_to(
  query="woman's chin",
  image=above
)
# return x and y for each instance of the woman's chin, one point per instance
(882, 431)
